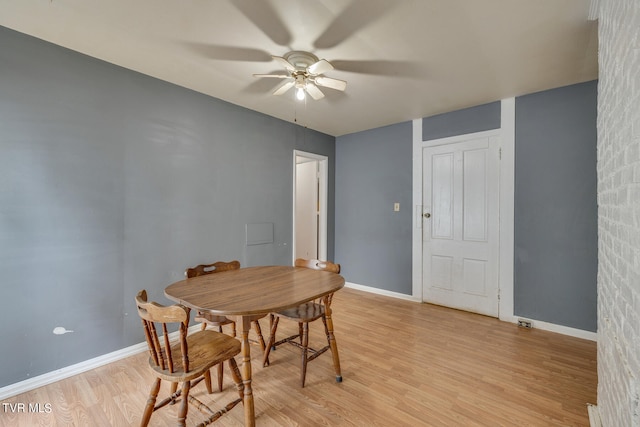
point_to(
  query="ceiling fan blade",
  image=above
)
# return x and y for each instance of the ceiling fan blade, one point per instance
(262, 86)
(229, 53)
(358, 15)
(331, 83)
(263, 16)
(314, 91)
(275, 76)
(381, 67)
(286, 64)
(320, 67)
(285, 87)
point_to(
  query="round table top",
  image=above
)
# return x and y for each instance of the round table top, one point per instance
(254, 290)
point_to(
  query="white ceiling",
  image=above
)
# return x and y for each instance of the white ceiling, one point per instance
(402, 59)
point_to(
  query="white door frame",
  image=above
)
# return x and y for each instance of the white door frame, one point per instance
(323, 170)
(506, 223)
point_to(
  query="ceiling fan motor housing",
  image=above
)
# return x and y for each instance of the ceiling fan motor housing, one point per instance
(301, 60)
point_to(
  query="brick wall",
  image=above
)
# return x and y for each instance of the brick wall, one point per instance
(619, 213)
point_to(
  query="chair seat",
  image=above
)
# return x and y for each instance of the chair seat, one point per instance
(307, 312)
(206, 349)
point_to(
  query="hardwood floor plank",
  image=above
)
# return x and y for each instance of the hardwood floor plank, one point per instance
(403, 363)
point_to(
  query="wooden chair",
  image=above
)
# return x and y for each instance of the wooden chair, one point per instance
(303, 315)
(186, 360)
(208, 319)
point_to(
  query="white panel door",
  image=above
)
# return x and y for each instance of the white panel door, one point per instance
(460, 225)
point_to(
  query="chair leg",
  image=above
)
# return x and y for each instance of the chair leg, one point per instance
(151, 402)
(220, 371)
(220, 376)
(174, 387)
(300, 331)
(272, 320)
(270, 344)
(256, 326)
(304, 338)
(207, 382)
(237, 378)
(184, 405)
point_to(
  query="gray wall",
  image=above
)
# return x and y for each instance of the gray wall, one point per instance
(461, 122)
(373, 171)
(112, 182)
(555, 212)
(556, 255)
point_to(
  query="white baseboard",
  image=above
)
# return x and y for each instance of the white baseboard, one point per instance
(552, 327)
(545, 326)
(594, 416)
(381, 292)
(69, 371)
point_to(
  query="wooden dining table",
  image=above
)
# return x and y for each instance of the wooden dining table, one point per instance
(250, 293)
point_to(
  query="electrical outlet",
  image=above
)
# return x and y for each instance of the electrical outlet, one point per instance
(525, 323)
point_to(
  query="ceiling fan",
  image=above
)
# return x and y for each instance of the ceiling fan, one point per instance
(305, 73)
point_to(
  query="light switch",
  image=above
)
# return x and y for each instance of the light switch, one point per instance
(396, 207)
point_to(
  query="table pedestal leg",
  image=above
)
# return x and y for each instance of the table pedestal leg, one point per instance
(249, 412)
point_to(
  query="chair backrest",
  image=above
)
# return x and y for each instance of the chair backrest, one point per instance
(155, 316)
(216, 267)
(318, 265)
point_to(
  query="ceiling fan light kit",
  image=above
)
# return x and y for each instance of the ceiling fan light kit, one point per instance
(305, 73)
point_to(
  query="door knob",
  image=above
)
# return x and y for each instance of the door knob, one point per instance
(426, 215)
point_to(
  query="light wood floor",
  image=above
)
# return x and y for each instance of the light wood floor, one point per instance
(403, 363)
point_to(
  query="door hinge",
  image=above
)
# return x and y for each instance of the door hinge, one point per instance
(500, 153)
